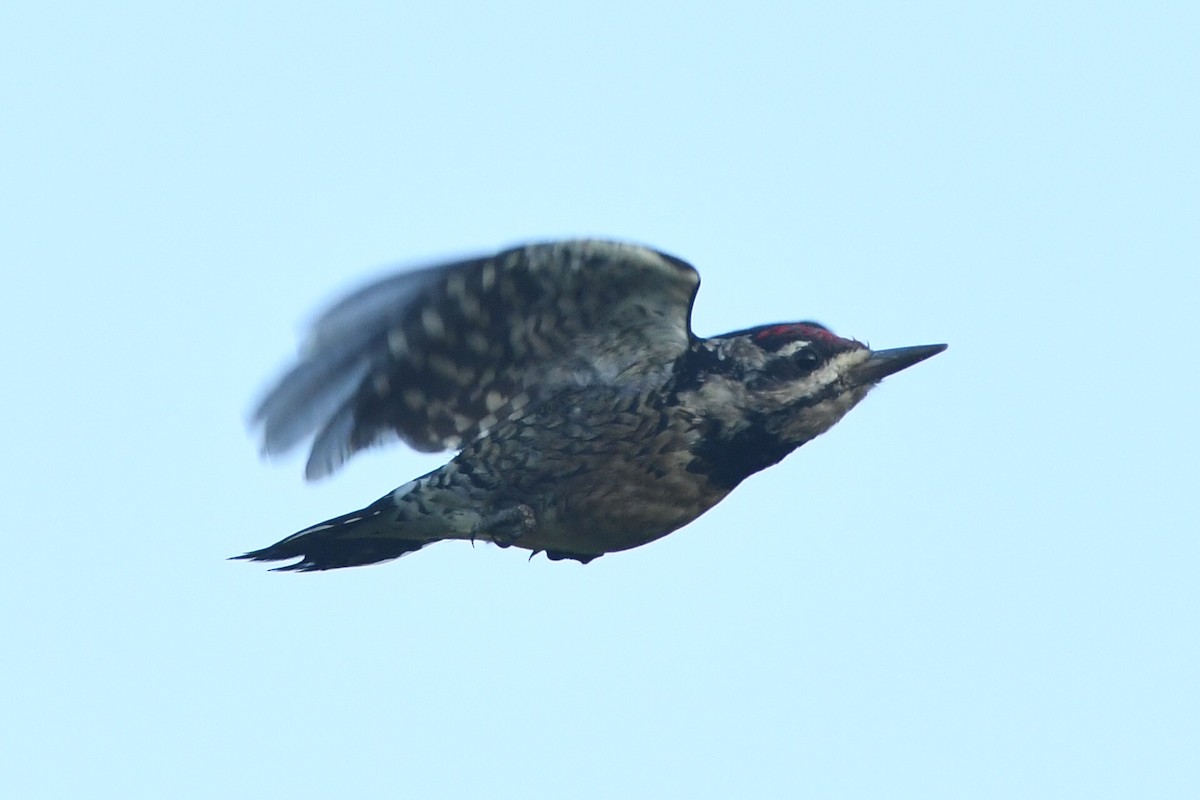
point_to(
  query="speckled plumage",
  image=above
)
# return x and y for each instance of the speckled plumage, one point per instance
(590, 418)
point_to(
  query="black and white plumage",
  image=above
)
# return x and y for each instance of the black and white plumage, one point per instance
(588, 416)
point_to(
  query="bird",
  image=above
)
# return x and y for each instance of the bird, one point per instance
(587, 416)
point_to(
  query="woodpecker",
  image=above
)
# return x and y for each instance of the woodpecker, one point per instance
(587, 416)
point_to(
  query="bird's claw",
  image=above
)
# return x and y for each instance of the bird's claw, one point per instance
(506, 526)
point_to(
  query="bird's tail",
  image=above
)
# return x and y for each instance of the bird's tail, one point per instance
(367, 536)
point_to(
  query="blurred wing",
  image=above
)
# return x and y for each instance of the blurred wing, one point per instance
(437, 356)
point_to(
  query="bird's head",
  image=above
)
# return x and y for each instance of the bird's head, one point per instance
(795, 380)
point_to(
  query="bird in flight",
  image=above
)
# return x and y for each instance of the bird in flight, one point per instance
(587, 416)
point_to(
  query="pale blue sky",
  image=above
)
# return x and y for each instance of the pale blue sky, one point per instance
(984, 583)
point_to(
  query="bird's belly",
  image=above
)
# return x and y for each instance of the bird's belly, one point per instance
(619, 503)
(603, 469)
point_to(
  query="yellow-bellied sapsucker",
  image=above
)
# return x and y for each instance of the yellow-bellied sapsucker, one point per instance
(588, 416)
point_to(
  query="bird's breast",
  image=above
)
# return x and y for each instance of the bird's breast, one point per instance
(604, 470)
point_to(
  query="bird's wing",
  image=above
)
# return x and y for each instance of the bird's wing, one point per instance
(436, 356)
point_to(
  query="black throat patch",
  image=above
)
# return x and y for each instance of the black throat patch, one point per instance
(728, 459)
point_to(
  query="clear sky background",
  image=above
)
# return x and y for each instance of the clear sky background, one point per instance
(984, 583)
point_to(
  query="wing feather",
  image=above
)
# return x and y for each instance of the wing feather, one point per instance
(437, 356)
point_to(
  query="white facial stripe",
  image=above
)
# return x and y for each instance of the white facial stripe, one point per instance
(818, 379)
(791, 348)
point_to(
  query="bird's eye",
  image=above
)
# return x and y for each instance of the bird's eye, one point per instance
(805, 358)
(792, 366)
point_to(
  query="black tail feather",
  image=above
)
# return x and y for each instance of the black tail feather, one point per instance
(351, 540)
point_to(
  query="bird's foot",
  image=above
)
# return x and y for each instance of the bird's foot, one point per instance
(506, 526)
